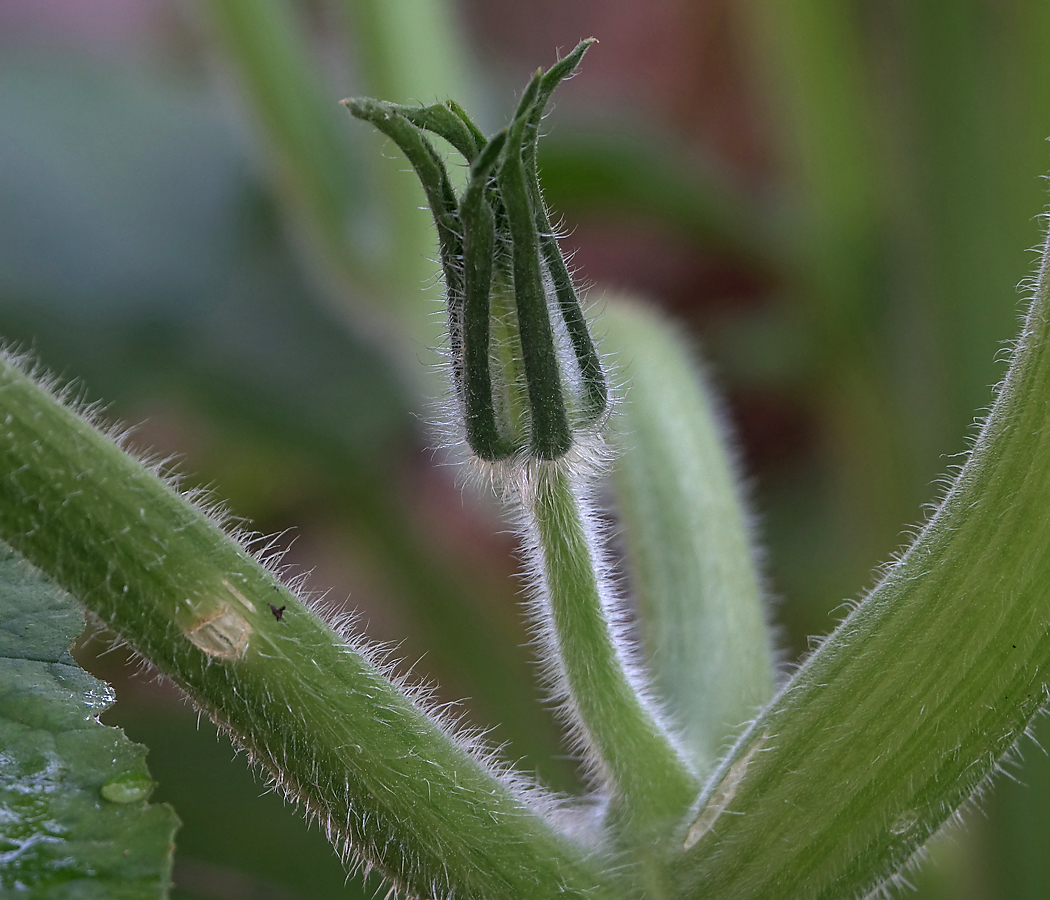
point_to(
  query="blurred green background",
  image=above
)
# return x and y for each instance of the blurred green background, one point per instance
(836, 199)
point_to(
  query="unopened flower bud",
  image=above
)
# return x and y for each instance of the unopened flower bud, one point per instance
(524, 367)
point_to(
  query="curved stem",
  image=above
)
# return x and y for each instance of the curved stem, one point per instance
(908, 707)
(630, 748)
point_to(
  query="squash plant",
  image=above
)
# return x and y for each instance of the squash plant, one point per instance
(708, 778)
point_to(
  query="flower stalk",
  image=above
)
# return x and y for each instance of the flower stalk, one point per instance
(605, 702)
(532, 397)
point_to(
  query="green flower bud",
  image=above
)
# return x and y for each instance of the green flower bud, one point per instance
(524, 368)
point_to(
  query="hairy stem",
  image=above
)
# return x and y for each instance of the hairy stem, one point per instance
(388, 784)
(908, 707)
(633, 753)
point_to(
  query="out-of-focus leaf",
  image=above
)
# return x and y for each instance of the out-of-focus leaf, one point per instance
(111, 181)
(314, 165)
(686, 536)
(137, 251)
(976, 89)
(411, 52)
(974, 114)
(324, 186)
(259, 845)
(810, 55)
(603, 172)
(74, 821)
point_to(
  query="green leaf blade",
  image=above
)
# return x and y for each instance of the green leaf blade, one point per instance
(73, 814)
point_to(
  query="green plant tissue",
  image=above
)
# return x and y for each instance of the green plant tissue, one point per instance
(74, 816)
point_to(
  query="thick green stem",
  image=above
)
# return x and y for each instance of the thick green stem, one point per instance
(632, 751)
(388, 784)
(908, 707)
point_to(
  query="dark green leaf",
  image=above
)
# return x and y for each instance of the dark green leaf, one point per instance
(74, 821)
